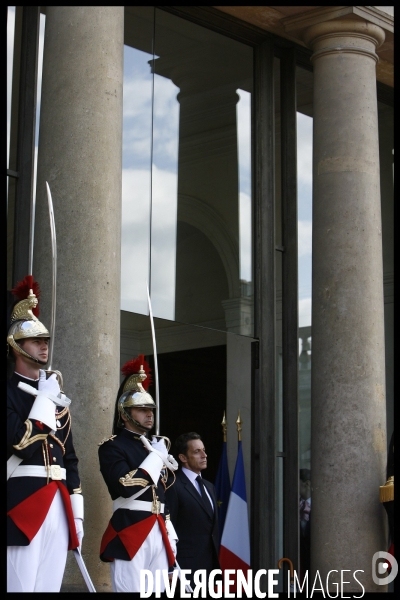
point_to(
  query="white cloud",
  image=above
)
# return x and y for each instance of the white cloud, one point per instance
(137, 130)
(149, 194)
(243, 119)
(163, 243)
(304, 149)
(245, 233)
(304, 238)
(137, 96)
(305, 312)
(136, 241)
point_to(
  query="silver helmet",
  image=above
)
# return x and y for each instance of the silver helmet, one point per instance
(24, 324)
(134, 395)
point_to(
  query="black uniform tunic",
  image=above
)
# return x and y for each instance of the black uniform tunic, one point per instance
(120, 458)
(25, 438)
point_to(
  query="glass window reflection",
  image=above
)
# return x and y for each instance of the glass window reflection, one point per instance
(304, 85)
(187, 201)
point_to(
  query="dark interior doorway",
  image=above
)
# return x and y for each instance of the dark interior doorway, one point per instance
(192, 387)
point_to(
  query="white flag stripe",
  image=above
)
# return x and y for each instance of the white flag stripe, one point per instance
(236, 531)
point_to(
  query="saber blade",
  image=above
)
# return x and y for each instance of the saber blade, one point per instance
(153, 334)
(83, 569)
(54, 278)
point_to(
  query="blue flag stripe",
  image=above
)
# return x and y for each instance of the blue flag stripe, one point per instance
(222, 488)
(239, 482)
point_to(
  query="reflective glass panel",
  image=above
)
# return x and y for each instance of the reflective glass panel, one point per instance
(10, 59)
(304, 83)
(203, 373)
(187, 194)
(386, 158)
(137, 158)
(14, 41)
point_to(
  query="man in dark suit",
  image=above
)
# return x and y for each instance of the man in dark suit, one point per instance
(192, 503)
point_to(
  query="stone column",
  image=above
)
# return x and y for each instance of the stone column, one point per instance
(348, 372)
(80, 155)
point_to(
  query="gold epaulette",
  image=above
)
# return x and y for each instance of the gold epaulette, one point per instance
(386, 492)
(107, 439)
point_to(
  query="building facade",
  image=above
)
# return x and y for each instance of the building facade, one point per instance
(239, 162)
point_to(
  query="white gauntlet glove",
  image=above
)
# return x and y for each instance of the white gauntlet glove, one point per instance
(77, 509)
(169, 460)
(44, 407)
(153, 463)
(172, 543)
(159, 448)
(48, 396)
(79, 530)
(50, 385)
(172, 536)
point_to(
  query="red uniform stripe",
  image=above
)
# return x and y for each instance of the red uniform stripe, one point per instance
(133, 537)
(164, 533)
(30, 514)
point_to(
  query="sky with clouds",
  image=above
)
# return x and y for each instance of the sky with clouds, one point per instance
(139, 183)
(150, 172)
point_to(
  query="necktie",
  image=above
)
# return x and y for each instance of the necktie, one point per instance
(204, 496)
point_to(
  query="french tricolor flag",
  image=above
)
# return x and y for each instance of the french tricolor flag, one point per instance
(235, 543)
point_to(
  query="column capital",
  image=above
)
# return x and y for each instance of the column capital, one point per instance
(344, 35)
(366, 24)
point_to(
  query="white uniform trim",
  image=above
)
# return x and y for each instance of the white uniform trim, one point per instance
(132, 504)
(12, 464)
(35, 471)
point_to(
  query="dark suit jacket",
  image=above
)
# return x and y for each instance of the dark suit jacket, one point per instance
(198, 545)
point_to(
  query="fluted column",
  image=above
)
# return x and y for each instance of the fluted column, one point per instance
(348, 372)
(80, 155)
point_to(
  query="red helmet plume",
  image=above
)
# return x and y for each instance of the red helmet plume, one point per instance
(133, 366)
(21, 291)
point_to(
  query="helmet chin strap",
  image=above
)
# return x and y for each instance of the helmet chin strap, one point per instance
(40, 362)
(22, 352)
(137, 424)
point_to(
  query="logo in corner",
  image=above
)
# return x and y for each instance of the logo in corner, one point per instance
(381, 562)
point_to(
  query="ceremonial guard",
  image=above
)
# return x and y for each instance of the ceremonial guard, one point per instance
(44, 500)
(140, 534)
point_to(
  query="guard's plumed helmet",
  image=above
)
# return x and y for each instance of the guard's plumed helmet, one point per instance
(132, 393)
(24, 322)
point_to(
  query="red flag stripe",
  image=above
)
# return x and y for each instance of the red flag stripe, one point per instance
(228, 560)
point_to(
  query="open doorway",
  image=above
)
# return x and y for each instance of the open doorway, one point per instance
(192, 387)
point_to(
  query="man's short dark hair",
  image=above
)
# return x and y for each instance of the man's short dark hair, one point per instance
(181, 443)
